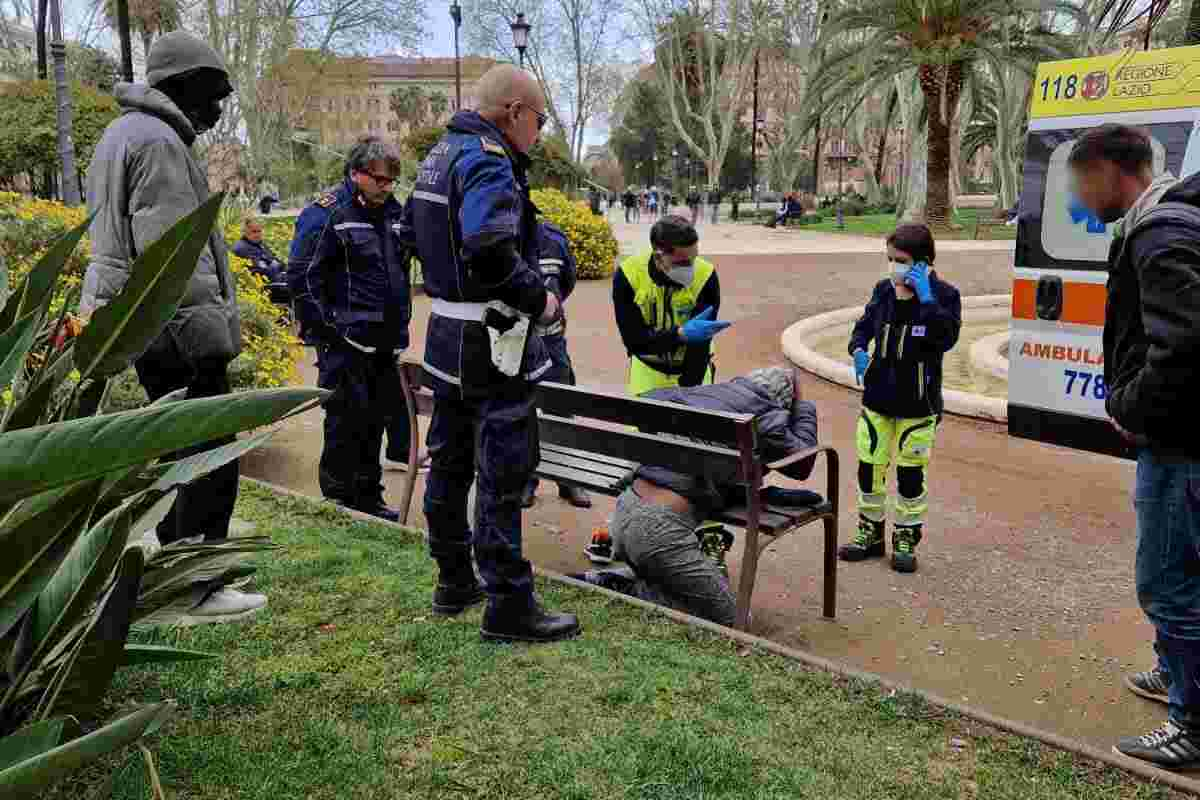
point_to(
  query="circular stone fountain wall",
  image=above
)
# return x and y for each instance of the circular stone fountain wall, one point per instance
(976, 370)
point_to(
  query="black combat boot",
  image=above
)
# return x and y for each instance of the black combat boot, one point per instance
(868, 542)
(905, 539)
(457, 590)
(522, 619)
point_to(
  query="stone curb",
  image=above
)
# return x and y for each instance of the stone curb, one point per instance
(962, 403)
(985, 354)
(1131, 766)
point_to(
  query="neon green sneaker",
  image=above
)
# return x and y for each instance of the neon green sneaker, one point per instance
(715, 541)
(905, 539)
(868, 542)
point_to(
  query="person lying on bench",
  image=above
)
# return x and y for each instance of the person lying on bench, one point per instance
(654, 529)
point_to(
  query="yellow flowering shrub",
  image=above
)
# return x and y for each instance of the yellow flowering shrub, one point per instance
(269, 349)
(591, 237)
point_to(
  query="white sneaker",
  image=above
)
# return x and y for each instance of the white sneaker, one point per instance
(225, 605)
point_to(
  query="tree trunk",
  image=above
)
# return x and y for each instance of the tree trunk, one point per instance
(62, 94)
(40, 34)
(937, 169)
(126, 44)
(889, 112)
(816, 170)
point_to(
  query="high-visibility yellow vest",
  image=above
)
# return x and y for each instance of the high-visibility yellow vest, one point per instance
(663, 308)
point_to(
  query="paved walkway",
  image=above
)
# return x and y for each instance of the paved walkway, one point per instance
(1024, 603)
(727, 238)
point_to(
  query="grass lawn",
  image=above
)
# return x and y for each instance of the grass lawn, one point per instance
(882, 224)
(347, 687)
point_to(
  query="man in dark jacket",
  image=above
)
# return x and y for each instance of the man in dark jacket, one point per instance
(348, 273)
(1151, 366)
(560, 272)
(914, 319)
(252, 248)
(654, 528)
(475, 232)
(143, 178)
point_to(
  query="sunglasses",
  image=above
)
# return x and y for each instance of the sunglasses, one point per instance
(541, 118)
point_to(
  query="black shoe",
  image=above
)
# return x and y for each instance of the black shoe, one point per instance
(450, 600)
(868, 542)
(528, 495)
(575, 496)
(1169, 747)
(378, 509)
(1152, 684)
(527, 623)
(905, 539)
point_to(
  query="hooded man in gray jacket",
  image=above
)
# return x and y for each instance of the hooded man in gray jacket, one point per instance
(143, 179)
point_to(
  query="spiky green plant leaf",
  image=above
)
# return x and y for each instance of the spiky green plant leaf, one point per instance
(14, 346)
(31, 741)
(37, 459)
(37, 289)
(28, 779)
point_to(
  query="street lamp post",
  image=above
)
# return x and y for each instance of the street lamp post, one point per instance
(520, 32)
(456, 15)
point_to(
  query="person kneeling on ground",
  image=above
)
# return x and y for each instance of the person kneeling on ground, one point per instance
(654, 528)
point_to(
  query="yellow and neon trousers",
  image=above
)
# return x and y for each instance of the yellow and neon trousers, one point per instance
(906, 442)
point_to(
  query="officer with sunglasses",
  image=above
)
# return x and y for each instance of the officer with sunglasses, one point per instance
(348, 274)
(475, 231)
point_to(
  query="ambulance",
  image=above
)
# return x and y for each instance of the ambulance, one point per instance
(1056, 387)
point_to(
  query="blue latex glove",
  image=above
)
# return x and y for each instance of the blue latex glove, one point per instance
(917, 279)
(702, 327)
(861, 360)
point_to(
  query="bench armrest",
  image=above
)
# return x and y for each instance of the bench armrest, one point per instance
(832, 481)
(801, 455)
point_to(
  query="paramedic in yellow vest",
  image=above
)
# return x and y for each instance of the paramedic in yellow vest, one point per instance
(666, 302)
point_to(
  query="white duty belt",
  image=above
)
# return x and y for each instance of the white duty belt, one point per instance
(470, 312)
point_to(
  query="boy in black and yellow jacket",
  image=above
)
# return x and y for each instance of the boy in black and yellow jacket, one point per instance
(913, 318)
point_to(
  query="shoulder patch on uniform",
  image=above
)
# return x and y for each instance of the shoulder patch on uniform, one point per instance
(327, 200)
(492, 147)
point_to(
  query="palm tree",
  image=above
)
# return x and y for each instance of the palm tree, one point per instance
(870, 42)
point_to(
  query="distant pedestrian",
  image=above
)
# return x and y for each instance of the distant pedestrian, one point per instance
(629, 201)
(714, 200)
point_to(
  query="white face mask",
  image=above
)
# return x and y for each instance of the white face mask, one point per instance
(682, 274)
(896, 271)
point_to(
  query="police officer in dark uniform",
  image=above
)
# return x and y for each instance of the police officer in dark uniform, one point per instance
(559, 273)
(348, 273)
(475, 233)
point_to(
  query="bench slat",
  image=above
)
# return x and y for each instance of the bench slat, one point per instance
(651, 415)
(578, 459)
(773, 522)
(600, 484)
(598, 457)
(721, 464)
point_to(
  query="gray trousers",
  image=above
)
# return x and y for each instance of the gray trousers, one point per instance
(660, 546)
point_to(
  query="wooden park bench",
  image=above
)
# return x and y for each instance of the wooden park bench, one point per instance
(588, 440)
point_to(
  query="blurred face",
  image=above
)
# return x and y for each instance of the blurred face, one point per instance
(679, 263)
(254, 232)
(375, 183)
(1100, 188)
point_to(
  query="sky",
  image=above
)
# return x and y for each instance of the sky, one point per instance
(438, 42)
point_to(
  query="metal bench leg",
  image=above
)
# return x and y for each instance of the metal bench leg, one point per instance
(830, 582)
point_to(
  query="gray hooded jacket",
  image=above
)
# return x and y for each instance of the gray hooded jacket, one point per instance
(143, 179)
